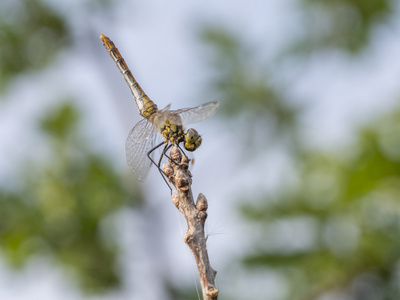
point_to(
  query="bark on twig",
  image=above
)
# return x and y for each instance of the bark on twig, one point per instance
(195, 214)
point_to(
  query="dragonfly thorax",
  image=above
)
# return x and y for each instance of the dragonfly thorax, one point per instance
(173, 133)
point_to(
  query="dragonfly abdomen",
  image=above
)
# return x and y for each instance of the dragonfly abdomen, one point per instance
(145, 105)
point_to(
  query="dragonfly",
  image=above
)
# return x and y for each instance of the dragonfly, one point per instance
(142, 139)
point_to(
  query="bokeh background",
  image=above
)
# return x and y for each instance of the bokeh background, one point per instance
(300, 165)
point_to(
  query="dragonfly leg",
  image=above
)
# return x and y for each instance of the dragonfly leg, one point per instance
(151, 150)
(183, 152)
(164, 154)
(159, 162)
(169, 157)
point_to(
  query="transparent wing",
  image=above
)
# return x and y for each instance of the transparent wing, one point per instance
(140, 140)
(198, 113)
(144, 128)
(141, 131)
(158, 119)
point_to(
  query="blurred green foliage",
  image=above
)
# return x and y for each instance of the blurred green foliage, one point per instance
(182, 293)
(342, 24)
(336, 229)
(31, 33)
(245, 88)
(344, 214)
(60, 207)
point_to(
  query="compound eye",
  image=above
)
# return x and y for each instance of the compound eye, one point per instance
(192, 135)
(192, 139)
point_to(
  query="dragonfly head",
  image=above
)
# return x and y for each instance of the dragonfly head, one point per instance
(192, 139)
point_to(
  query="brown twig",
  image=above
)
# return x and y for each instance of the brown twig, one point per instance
(179, 175)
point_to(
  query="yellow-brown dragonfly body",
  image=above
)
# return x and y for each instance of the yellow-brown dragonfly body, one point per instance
(141, 141)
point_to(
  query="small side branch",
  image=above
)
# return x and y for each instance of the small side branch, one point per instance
(195, 214)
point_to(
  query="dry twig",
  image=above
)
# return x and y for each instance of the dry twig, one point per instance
(195, 214)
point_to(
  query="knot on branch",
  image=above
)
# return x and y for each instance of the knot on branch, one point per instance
(168, 171)
(182, 181)
(175, 155)
(188, 238)
(212, 292)
(177, 169)
(201, 203)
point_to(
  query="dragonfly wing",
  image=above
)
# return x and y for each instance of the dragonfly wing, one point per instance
(140, 140)
(198, 113)
(141, 131)
(158, 120)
